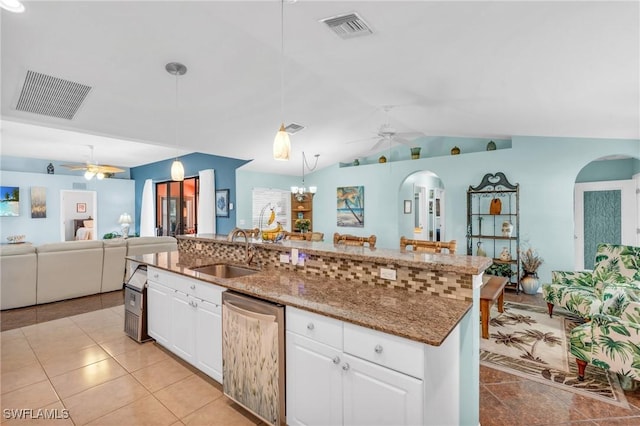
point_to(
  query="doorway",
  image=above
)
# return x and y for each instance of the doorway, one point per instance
(177, 207)
(76, 207)
(423, 204)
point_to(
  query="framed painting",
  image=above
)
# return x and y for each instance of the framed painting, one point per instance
(222, 203)
(350, 206)
(407, 206)
(38, 202)
(81, 207)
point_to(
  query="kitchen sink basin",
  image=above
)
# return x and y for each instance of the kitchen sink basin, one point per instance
(224, 270)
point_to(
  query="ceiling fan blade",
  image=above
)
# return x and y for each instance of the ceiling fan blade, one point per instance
(110, 169)
(378, 144)
(361, 140)
(403, 141)
(410, 135)
(75, 167)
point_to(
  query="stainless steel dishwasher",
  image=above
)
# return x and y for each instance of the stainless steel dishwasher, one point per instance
(253, 347)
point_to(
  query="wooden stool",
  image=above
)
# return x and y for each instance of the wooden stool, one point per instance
(491, 290)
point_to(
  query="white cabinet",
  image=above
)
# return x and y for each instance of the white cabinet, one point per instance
(185, 316)
(314, 382)
(328, 385)
(158, 305)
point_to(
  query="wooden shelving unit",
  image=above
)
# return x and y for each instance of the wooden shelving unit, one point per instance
(301, 209)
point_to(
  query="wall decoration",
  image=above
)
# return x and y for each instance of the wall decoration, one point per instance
(350, 206)
(407, 206)
(38, 202)
(50, 169)
(9, 201)
(222, 203)
(81, 207)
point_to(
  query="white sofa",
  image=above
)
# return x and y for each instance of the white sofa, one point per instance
(59, 271)
(18, 276)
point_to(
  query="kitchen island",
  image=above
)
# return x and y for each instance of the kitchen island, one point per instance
(343, 286)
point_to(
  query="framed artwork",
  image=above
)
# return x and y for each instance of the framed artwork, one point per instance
(38, 202)
(9, 201)
(350, 206)
(407, 206)
(81, 207)
(222, 203)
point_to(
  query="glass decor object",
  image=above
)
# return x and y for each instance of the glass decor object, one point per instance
(455, 150)
(491, 146)
(415, 153)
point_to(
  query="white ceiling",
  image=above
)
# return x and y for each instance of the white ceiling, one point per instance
(478, 69)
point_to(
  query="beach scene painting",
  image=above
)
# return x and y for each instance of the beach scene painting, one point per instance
(38, 202)
(350, 211)
(9, 201)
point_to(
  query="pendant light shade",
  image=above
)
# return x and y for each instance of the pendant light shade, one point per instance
(177, 170)
(281, 145)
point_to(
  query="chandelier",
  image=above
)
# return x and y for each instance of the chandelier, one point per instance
(300, 192)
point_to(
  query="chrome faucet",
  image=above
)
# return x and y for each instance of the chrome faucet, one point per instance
(249, 249)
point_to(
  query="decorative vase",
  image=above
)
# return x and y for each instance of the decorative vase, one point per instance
(530, 283)
(382, 159)
(415, 153)
(50, 169)
(507, 229)
(455, 150)
(505, 255)
(491, 146)
(356, 162)
(480, 251)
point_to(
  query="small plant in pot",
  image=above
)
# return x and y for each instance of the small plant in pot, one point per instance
(303, 225)
(530, 261)
(500, 270)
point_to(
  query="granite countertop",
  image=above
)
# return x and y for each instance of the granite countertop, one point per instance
(472, 265)
(416, 316)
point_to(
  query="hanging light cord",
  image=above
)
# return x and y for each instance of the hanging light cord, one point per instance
(175, 130)
(304, 162)
(282, 60)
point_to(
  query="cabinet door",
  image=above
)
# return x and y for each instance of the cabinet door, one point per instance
(380, 396)
(209, 339)
(158, 312)
(183, 326)
(314, 382)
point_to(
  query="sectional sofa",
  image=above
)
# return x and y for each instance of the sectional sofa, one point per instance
(51, 272)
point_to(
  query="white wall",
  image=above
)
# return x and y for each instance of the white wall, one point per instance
(115, 196)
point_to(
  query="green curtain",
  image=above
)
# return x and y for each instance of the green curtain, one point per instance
(602, 221)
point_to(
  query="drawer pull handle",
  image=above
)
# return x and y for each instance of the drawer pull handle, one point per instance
(336, 359)
(345, 366)
(310, 326)
(155, 275)
(378, 349)
(193, 286)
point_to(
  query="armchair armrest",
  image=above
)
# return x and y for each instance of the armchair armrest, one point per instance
(621, 301)
(616, 344)
(573, 278)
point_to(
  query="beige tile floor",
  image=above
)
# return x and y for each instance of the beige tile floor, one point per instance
(85, 364)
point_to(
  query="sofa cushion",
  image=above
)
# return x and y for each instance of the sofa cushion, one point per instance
(617, 263)
(69, 246)
(18, 268)
(113, 264)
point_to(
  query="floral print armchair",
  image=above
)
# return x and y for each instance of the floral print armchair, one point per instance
(611, 342)
(583, 292)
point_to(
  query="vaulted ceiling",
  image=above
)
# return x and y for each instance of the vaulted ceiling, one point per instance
(477, 69)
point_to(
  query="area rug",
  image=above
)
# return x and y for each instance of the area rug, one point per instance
(524, 341)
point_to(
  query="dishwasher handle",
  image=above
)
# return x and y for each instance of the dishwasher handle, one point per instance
(246, 313)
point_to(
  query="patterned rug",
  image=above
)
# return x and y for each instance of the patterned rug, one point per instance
(524, 341)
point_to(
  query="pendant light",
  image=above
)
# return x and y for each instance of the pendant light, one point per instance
(281, 143)
(177, 169)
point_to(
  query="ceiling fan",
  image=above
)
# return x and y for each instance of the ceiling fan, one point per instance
(388, 136)
(92, 168)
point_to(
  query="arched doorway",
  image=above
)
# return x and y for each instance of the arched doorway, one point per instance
(423, 215)
(606, 206)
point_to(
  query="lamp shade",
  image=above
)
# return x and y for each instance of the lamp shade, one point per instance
(14, 6)
(177, 170)
(281, 145)
(88, 175)
(125, 218)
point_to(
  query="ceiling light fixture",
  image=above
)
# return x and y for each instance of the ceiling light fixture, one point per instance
(300, 192)
(14, 6)
(177, 169)
(281, 143)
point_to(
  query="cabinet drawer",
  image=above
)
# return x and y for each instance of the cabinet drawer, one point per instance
(159, 275)
(205, 291)
(317, 327)
(393, 352)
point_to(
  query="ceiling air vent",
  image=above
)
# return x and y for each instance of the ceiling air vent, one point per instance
(294, 128)
(348, 26)
(52, 96)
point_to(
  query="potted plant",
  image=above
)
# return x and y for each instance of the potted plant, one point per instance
(530, 261)
(303, 225)
(500, 270)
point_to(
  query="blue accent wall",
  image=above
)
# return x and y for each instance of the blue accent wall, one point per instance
(225, 174)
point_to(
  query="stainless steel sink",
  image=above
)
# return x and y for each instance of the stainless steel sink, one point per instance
(224, 270)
